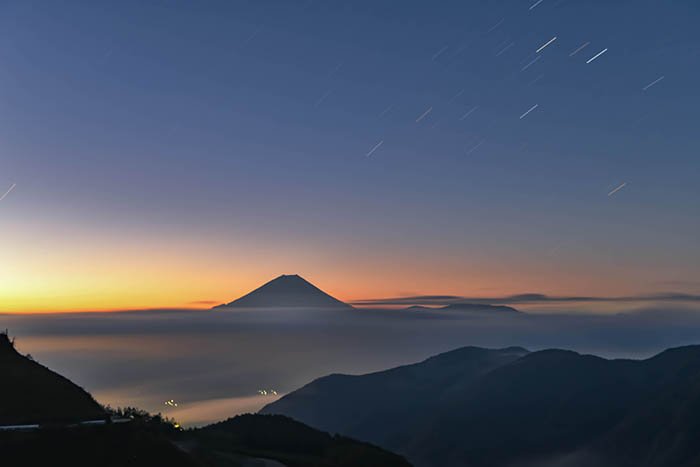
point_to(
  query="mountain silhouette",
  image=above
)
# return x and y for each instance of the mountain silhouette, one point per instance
(479, 308)
(385, 407)
(470, 307)
(287, 291)
(497, 408)
(31, 393)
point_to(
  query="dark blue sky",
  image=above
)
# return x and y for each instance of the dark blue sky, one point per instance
(232, 138)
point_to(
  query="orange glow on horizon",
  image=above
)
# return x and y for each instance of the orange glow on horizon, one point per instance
(72, 271)
(122, 289)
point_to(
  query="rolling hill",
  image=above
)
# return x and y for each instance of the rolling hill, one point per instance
(380, 407)
(491, 408)
(286, 441)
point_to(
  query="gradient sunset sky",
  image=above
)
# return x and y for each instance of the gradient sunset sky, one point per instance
(179, 154)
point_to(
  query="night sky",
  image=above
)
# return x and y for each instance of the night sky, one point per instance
(179, 154)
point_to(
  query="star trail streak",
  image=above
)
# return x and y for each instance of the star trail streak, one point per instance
(530, 110)
(652, 83)
(580, 48)
(531, 63)
(532, 7)
(505, 48)
(474, 148)
(12, 187)
(424, 114)
(469, 113)
(439, 52)
(323, 97)
(546, 44)
(597, 55)
(386, 111)
(493, 28)
(376, 146)
(617, 189)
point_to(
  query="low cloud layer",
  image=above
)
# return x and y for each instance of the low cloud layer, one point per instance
(527, 299)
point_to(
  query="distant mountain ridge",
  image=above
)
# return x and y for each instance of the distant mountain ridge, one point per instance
(471, 307)
(510, 407)
(379, 407)
(286, 291)
(293, 291)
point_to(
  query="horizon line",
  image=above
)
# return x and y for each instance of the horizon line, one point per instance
(413, 300)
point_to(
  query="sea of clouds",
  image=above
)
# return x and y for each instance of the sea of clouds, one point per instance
(213, 364)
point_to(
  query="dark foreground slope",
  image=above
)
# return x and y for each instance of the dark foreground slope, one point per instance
(538, 408)
(129, 444)
(243, 441)
(31, 393)
(284, 440)
(34, 395)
